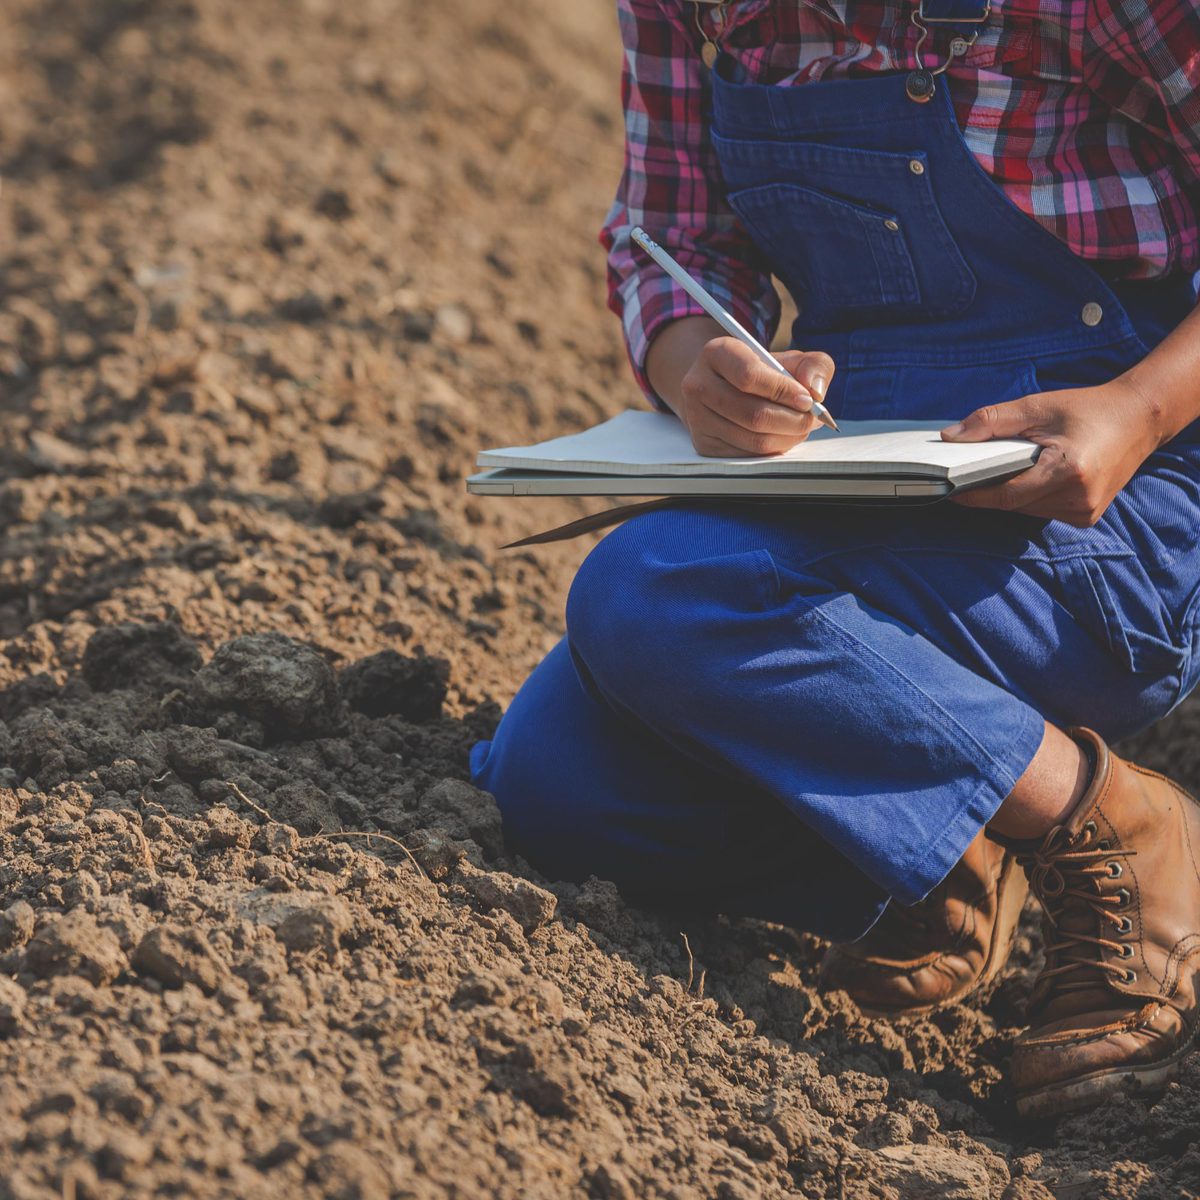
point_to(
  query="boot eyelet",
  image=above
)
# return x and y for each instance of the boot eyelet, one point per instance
(1129, 977)
(1125, 926)
(1089, 827)
(1126, 951)
(1124, 897)
(1104, 844)
(1113, 869)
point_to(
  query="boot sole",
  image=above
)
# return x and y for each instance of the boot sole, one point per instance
(1011, 890)
(1078, 1095)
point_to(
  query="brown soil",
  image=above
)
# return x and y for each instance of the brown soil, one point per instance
(269, 273)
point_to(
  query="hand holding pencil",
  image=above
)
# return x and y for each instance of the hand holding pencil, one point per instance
(735, 396)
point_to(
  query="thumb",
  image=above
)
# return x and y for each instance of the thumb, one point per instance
(1010, 419)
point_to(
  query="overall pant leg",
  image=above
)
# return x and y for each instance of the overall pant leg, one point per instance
(732, 637)
(587, 791)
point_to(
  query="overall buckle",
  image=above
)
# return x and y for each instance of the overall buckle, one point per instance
(921, 83)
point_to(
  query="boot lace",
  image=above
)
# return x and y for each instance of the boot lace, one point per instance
(1066, 874)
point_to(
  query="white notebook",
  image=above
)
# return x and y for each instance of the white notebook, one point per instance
(645, 453)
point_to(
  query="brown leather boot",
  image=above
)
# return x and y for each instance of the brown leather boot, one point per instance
(941, 950)
(1115, 1007)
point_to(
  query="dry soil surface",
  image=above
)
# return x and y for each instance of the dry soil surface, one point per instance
(269, 273)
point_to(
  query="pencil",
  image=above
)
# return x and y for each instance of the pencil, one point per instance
(726, 320)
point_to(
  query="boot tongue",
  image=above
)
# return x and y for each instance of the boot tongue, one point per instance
(1082, 989)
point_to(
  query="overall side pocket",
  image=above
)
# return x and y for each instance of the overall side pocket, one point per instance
(1112, 597)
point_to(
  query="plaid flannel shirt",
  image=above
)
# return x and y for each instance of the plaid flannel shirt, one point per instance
(1086, 113)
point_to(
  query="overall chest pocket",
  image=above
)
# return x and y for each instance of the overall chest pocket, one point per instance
(855, 235)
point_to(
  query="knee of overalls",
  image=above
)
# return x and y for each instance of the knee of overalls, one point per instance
(654, 610)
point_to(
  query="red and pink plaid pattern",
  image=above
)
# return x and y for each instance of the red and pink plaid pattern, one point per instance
(1085, 112)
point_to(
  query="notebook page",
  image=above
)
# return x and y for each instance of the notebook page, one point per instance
(646, 443)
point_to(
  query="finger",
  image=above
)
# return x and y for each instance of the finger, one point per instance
(1057, 504)
(713, 447)
(740, 367)
(756, 414)
(813, 369)
(1012, 419)
(748, 443)
(1022, 492)
(1056, 493)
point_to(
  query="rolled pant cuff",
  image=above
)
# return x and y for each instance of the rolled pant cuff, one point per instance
(1003, 771)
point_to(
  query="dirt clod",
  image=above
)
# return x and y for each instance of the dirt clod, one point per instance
(928, 1173)
(530, 905)
(317, 923)
(16, 925)
(75, 945)
(277, 681)
(389, 683)
(305, 806)
(467, 813)
(175, 955)
(12, 1008)
(157, 652)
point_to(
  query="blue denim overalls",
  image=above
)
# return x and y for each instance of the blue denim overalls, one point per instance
(797, 712)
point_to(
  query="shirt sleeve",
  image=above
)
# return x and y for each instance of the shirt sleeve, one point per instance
(671, 186)
(1142, 57)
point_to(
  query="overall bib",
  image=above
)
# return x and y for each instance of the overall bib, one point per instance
(797, 712)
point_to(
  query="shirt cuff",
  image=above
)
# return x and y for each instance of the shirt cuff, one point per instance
(655, 300)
